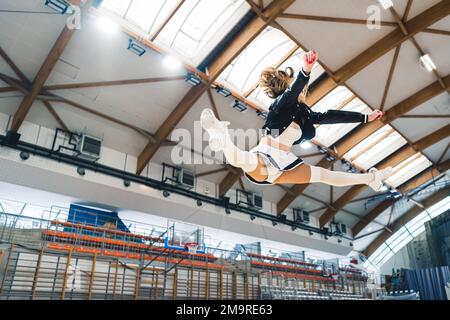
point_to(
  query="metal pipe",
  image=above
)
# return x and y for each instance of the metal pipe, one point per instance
(159, 185)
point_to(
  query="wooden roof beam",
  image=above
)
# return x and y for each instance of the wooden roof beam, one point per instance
(13, 66)
(167, 20)
(381, 47)
(44, 72)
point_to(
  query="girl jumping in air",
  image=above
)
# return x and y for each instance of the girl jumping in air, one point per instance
(289, 122)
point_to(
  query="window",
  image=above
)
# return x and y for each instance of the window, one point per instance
(376, 147)
(272, 48)
(147, 15)
(329, 134)
(407, 233)
(192, 32)
(438, 208)
(265, 51)
(200, 25)
(408, 169)
(268, 49)
(295, 62)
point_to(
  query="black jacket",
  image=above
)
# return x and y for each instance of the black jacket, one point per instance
(286, 109)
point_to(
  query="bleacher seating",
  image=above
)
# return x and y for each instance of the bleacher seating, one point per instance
(115, 241)
(342, 295)
(401, 295)
(289, 293)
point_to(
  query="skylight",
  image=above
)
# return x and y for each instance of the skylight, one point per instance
(147, 15)
(406, 233)
(200, 25)
(272, 48)
(408, 169)
(329, 134)
(375, 148)
(192, 32)
(265, 51)
(295, 62)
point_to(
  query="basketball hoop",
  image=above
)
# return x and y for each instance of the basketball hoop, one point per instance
(192, 247)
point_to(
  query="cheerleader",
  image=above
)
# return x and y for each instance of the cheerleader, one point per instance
(289, 122)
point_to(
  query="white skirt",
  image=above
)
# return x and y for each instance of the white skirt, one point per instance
(277, 162)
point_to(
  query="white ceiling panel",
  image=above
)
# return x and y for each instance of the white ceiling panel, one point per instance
(414, 129)
(114, 136)
(363, 82)
(438, 48)
(420, 6)
(435, 152)
(443, 24)
(409, 76)
(354, 9)
(336, 44)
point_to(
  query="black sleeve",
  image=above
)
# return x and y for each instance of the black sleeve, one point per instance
(337, 116)
(291, 94)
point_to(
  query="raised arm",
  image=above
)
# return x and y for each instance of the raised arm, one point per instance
(301, 80)
(339, 116)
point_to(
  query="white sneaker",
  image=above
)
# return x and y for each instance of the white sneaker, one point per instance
(216, 129)
(379, 176)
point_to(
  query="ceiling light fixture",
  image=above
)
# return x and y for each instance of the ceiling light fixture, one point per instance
(239, 106)
(386, 4)
(427, 63)
(107, 25)
(193, 79)
(172, 62)
(223, 92)
(60, 6)
(306, 145)
(136, 48)
(261, 114)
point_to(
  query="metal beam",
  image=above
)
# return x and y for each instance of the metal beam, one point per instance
(425, 176)
(254, 28)
(408, 216)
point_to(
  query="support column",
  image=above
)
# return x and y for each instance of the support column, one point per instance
(64, 284)
(36, 273)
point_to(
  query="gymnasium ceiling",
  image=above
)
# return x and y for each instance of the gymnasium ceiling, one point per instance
(360, 69)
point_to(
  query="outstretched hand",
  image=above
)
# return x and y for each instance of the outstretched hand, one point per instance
(375, 115)
(310, 58)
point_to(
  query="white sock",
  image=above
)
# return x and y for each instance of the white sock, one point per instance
(245, 160)
(339, 179)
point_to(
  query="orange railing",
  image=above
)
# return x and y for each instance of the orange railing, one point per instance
(137, 256)
(104, 242)
(260, 264)
(258, 256)
(302, 276)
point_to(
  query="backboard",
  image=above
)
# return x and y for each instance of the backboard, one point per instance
(180, 233)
